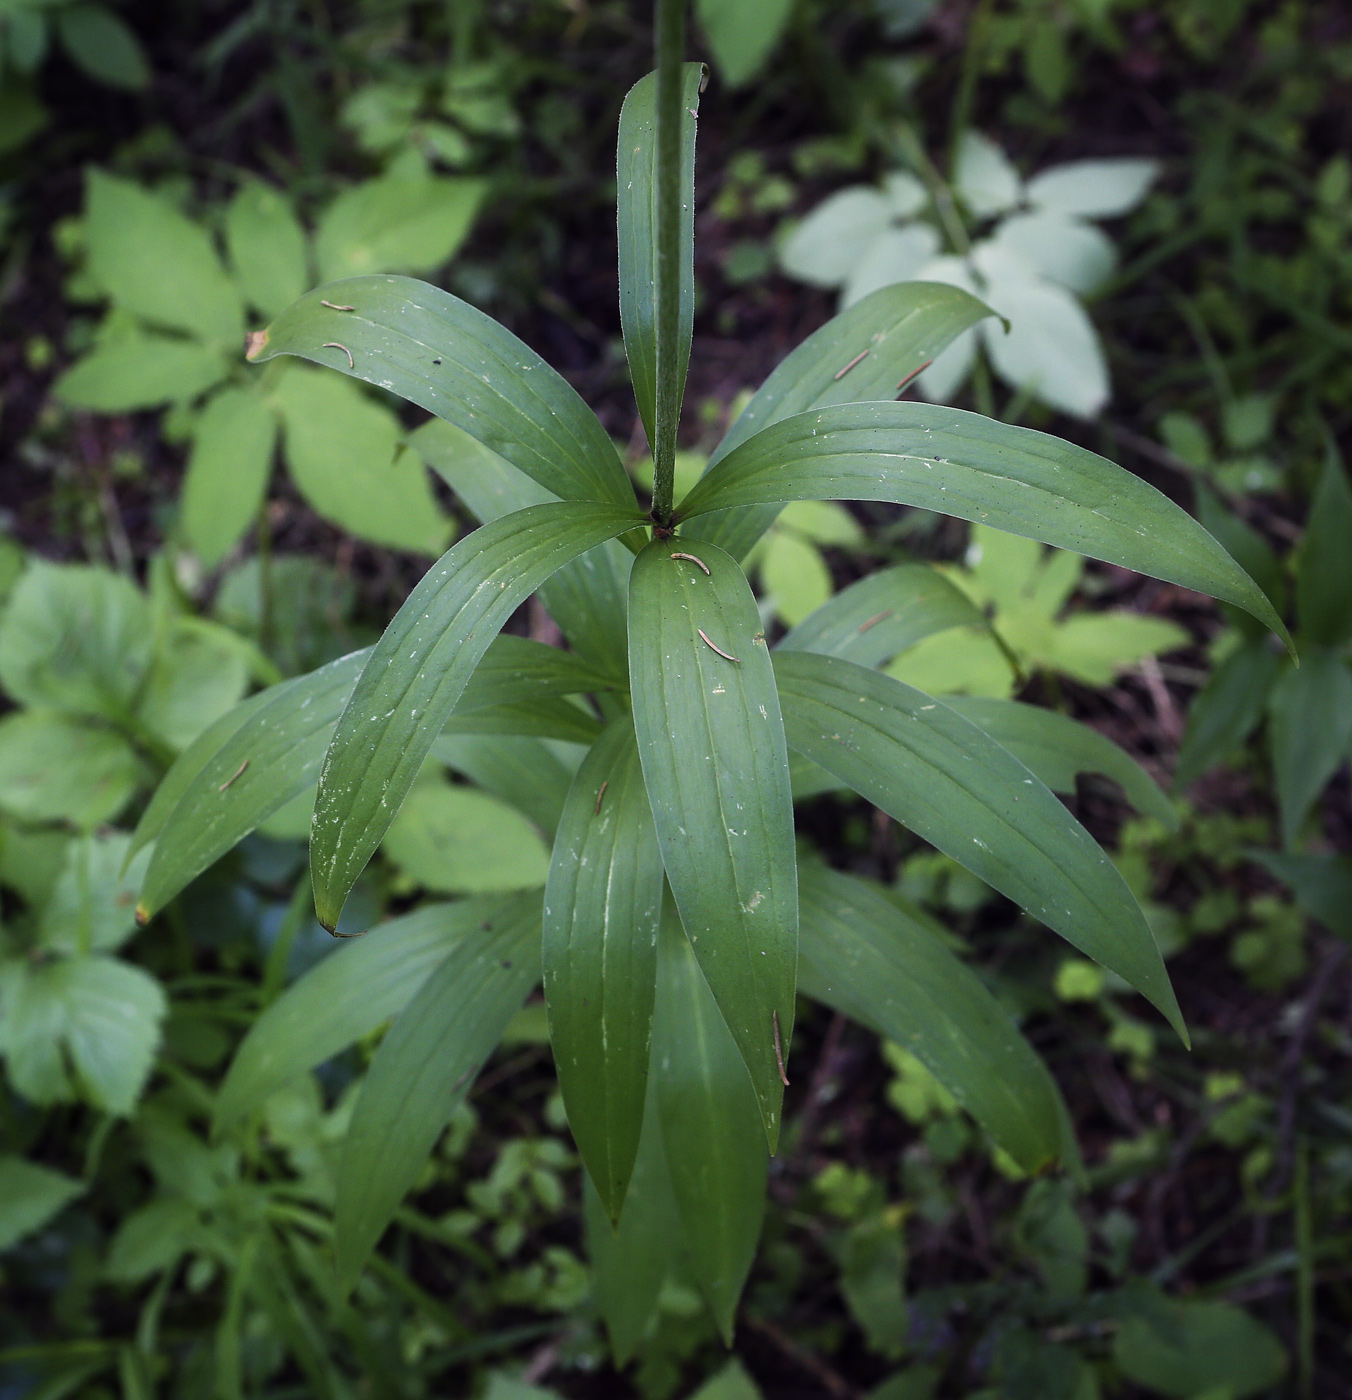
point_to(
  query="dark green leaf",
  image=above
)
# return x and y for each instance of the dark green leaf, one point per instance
(1311, 725)
(1056, 748)
(1324, 564)
(238, 774)
(603, 903)
(899, 329)
(712, 744)
(588, 597)
(965, 465)
(345, 997)
(418, 670)
(101, 43)
(873, 620)
(1227, 709)
(515, 669)
(1249, 550)
(30, 1196)
(1191, 1349)
(545, 717)
(440, 353)
(637, 214)
(424, 1069)
(866, 956)
(711, 1127)
(947, 780)
(1322, 885)
(524, 772)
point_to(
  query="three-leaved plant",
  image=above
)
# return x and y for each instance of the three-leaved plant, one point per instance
(677, 922)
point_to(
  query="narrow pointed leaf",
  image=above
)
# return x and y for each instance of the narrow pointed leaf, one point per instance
(225, 786)
(1324, 565)
(523, 771)
(896, 329)
(515, 669)
(348, 995)
(418, 670)
(949, 782)
(710, 1124)
(880, 616)
(438, 352)
(1322, 885)
(1057, 748)
(425, 1067)
(1227, 709)
(711, 740)
(636, 172)
(603, 902)
(962, 464)
(1311, 709)
(589, 595)
(545, 717)
(864, 955)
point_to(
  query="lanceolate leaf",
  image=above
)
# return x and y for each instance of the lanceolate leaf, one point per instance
(711, 740)
(546, 717)
(603, 902)
(235, 780)
(418, 670)
(1056, 748)
(1016, 479)
(637, 212)
(1324, 566)
(708, 1111)
(515, 669)
(437, 351)
(865, 956)
(524, 772)
(1311, 725)
(947, 780)
(1227, 709)
(880, 616)
(425, 1067)
(346, 996)
(589, 595)
(896, 330)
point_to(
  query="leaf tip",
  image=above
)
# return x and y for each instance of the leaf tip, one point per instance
(143, 915)
(254, 344)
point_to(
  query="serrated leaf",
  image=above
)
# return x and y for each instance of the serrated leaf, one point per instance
(250, 763)
(157, 264)
(865, 955)
(267, 247)
(344, 997)
(228, 470)
(742, 34)
(1311, 707)
(637, 217)
(588, 597)
(441, 354)
(711, 1127)
(418, 670)
(1057, 748)
(603, 904)
(139, 369)
(714, 760)
(1324, 563)
(395, 223)
(101, 43)
(896, 330)
(424, 1069)
(962, 464)
(343, 449)
(58, 769)
(1227, 709)
(454, 840)
(884, 613)
(30, 1196)
(949, 782)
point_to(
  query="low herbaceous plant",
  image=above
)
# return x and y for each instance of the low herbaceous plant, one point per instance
(676, 923)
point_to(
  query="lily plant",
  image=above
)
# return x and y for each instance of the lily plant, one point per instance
(677, 922)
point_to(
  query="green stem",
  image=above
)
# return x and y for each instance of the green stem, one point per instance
(670, 23)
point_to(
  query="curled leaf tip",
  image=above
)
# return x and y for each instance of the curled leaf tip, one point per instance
(142, 915)
(254, 344)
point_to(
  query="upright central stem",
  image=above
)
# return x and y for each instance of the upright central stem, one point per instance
(670, 17)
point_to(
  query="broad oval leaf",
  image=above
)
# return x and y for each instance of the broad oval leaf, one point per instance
(1057, 748)
(418, 669)
(251, 762)
(873, 620)
(437, 351)
(343, 998)
(962, 464)
(862, 954)
(603, 903)
(708, 1112)
(868, 352)
(636, 173)
(949, 782)
(424, 1068)
(711, 740)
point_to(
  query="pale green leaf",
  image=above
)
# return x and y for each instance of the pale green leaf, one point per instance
(418, 670)
(1093, 189)
(228, 471)
(742, 34)
(1074, 254)
(985, 180)
(830, 242)
(92, 907)
(58, 769)
(424, 1069)
(198, 674)
(603, 903)
(139, 369)
(794, 577)
(267, 247)
(1094, 647)
(712, 746)
(895, 255)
